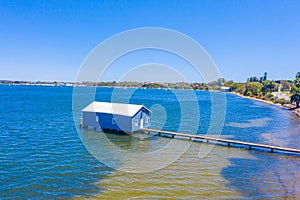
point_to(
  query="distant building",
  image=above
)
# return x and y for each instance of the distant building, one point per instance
(116, 116)
(225, 89)
(285, 85)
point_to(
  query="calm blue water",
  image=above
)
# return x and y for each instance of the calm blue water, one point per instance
(42, 156)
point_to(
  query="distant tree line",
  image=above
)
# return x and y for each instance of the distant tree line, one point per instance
(254, 87)
(263, 88)
(260, 79)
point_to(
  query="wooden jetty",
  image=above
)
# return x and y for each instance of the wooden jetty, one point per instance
(229, 143)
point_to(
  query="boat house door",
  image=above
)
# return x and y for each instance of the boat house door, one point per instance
(142, 123)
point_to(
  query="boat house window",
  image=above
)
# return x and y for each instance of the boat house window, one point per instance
(136, 122)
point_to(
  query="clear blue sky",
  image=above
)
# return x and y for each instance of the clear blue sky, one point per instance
(48, 40)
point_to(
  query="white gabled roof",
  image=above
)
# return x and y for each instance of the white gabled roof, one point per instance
(114, 108)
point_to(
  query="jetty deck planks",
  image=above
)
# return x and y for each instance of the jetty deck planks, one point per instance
(250, 145)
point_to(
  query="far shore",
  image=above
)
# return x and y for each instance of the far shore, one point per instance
(286, 106)
(296, 111)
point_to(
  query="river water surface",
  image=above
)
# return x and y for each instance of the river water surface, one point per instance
(42, 156)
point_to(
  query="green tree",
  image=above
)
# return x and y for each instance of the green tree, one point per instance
(234, 87)
(241, 88)
(252, 88)
(295, 89)
(295, 98)
(296, 84)
(265, 76)
(269, 86)
(297, 80)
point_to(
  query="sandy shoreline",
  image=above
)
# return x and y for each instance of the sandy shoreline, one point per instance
(296, 111)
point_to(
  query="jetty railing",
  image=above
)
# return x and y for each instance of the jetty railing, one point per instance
(229, 143)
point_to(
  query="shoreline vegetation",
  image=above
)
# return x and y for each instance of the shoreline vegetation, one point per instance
(284, 93)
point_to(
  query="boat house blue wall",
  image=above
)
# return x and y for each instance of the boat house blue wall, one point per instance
(117, 117)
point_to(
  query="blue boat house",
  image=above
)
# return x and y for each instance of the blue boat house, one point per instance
(116, 117)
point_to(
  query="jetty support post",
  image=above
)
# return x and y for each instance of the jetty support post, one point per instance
(80, 122)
